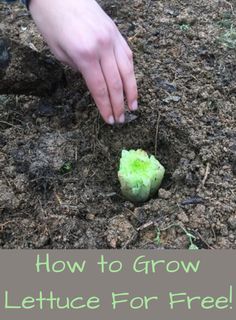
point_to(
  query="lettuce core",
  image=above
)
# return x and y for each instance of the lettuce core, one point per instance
(140, 175)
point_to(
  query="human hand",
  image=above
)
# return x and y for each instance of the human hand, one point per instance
(81, 35)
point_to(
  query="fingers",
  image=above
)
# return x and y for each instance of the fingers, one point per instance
(126, 48)
(125, 64)
(114, 85)
(96, 83)
(108, 73)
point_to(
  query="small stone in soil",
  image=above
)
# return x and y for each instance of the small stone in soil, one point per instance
(164, 194)
(232, 222)
(183, 217)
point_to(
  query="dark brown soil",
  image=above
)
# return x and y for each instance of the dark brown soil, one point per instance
(58, 160)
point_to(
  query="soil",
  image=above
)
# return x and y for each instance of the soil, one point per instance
(59, 160)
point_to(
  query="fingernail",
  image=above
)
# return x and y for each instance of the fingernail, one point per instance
(111, 120)
(122, 118)
(134, 105)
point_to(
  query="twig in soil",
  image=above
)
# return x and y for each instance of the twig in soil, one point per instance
(157, 130)
(4, 225)
(134, 215)
(32, 46)
(76, 154)
(206, 174)
(133, 237)
(9, 124)
(149, 224)
(63, 204)
(203, 240)
(58, 198)
(130, 39)
(7, 180)
(146, 225)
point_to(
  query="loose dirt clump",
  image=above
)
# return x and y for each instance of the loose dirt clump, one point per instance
(59, 161)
